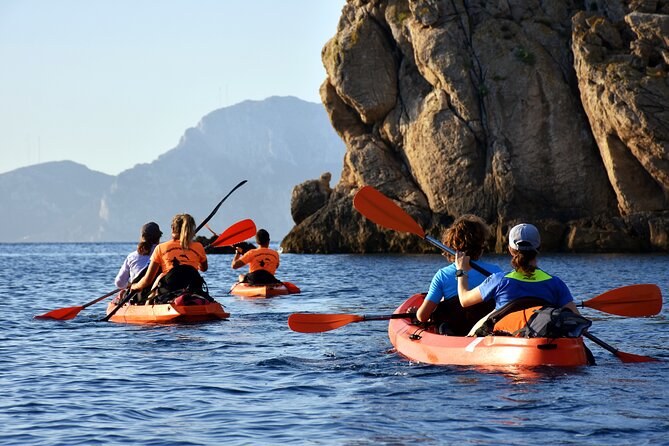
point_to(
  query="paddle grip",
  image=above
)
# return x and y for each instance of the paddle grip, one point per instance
(443, 247)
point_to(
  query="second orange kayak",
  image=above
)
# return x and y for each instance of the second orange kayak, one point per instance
(263, 291)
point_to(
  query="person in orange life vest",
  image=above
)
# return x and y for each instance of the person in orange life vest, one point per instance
(181, 251)
(262, 261)
(526, 280)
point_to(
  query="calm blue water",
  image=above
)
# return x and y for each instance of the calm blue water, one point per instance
(251, 380)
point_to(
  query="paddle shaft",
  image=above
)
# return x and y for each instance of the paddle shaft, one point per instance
(94, 301)
(209, 217)
(385, 317)
(122, 302)
(443, 247)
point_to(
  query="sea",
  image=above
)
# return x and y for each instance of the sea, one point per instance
(250, 380)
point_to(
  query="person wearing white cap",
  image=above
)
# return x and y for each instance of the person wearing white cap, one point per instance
(526, 279)
(139, 259)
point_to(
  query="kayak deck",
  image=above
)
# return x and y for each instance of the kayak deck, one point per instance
(426, 346)
(263, 291)
(167, 313)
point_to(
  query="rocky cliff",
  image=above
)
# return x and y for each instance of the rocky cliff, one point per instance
(552, 112)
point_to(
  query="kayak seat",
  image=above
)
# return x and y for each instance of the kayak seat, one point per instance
(260, 277)
(486, 326)
(451, 319)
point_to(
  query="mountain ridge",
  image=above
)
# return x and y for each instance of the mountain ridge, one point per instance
(275, 144)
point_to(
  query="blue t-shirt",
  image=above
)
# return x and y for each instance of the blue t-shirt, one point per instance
(444, 283)
(505, 287)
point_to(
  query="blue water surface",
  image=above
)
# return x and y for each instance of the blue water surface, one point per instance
(251, 380)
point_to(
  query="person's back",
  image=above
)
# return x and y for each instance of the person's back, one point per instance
(468, 233)
(505, 287)
(263, 261)
(180, 256)
(139, 259)
(171, 253)
(525, 281)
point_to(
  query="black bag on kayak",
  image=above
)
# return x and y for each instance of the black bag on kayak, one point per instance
(183, 278)
(550, 322)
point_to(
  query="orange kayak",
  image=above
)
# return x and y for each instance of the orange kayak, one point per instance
(263, 291)
(167, 313)
(418, 344)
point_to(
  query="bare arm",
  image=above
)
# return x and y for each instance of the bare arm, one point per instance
(467, 297)
(236, 263)
(425, 310)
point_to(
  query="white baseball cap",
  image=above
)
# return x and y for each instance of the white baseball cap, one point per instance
(524, 237)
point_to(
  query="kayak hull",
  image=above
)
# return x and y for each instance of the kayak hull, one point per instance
(263, 291)
(417, 344)
(167, 313)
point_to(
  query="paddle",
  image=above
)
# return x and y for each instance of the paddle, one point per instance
(384, 212)
(64, 314)
(631, 301)
(624, 357)
(317, 323)
(238, 232)
(209, 217)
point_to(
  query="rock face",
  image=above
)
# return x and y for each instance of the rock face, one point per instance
(553, 113)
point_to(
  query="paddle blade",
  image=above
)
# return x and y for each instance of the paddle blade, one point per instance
(61, 314)
(629, 357)
(291, 287)
(632, 301)
(384, 212)
(240, 231)
(317, 323)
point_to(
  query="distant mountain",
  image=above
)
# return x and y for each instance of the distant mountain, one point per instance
(275, 144)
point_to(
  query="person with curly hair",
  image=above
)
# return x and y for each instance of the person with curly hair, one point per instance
(468, 234)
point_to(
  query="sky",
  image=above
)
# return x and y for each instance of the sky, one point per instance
(114, 83)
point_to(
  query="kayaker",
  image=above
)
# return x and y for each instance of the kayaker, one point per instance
(137, 260)
(468, 234)
(526, 279)
(179, 259)
(263, 261)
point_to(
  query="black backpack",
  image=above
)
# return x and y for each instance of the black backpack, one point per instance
(551, 322)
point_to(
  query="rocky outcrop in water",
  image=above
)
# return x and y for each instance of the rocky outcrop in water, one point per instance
(549, 112)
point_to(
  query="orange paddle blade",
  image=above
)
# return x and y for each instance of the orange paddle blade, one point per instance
(61, 314)
(631, 300)
(240, 231)
(317, 323)
(64, 314)
(294, 289)
(384, 212)
(624, 357)
(629, 357)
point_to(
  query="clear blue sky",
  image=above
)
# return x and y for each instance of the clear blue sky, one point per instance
(113, 83)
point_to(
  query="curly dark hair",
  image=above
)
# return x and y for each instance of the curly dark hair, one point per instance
(469, 234)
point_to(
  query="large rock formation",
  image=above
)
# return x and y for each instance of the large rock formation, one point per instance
(515, 110)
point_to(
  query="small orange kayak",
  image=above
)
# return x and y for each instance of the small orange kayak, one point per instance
(167, 313)
(426, 346)
(263, 291)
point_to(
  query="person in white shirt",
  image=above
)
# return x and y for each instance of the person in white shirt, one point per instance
(139, 259)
